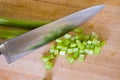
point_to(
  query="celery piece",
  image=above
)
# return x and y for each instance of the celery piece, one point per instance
(84, 43)
(81, 51)
(59, 46)
(89, 51)
(72, 38)
(45, 58)
(87, 46)
(75, 55)
(97, 50)
(49, 65)
(58, 41)
(78, 30)
(86, 51)
(70, 59)
(73, 45)
(52, 51)
(86, 37)
(56, 52)
(79, 44)
(80, 36)
(67, 36)
(52, 47)
(77, 37)
(89, 42)
(92, 47)
(70, 51)
(102, 43)
(75, 50)
(95, 41)
(94, 36)
(64, 48)
(51, 56)
(62, 52)
(81, 57)
(66, 42)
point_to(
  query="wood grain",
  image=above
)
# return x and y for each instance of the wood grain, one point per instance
(105, 66)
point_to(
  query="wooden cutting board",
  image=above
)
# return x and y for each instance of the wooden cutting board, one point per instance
(105, 66)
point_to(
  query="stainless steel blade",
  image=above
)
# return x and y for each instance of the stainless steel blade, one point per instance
(24, 44)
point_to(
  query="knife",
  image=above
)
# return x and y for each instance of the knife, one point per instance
(24, 44)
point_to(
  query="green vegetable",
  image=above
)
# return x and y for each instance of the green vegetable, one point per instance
(11, 33)
(81, 57)
(49, 65)
(70, 59)
(56, 52)
(70, 51)
(76, 46)
(78, 30)
(97, 50)
(102, 43)
(22, 23)
(47, 58)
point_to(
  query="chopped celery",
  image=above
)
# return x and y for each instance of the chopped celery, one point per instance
(81, 57)
(88, 51)
(51, 56)
(86, 37)
(81, 51)
(75, 50)
(97, 50)
(52, 51)
(49, 65)
(89, 42)
(92, 46)
(102, 43)
(58, 41)
(67, 36)
(73, 45)
(95, 41)
(75, 55)
(78, 42)
(84, 42)
(70, 51)
(52, 47)
(64, 48)
(87, 46)
(77, 37)
(45, 59)
(80, 36)
(78, 30)
(94, 36)
(70, 59)
(59, 46)
(62, 52)
(66, 42)
(72, 38)
(80, 45)
(56, 52)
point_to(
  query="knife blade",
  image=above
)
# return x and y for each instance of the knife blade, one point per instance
(22, 45)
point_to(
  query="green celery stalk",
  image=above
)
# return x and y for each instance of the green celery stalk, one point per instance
(22, 23)
(11, 33)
